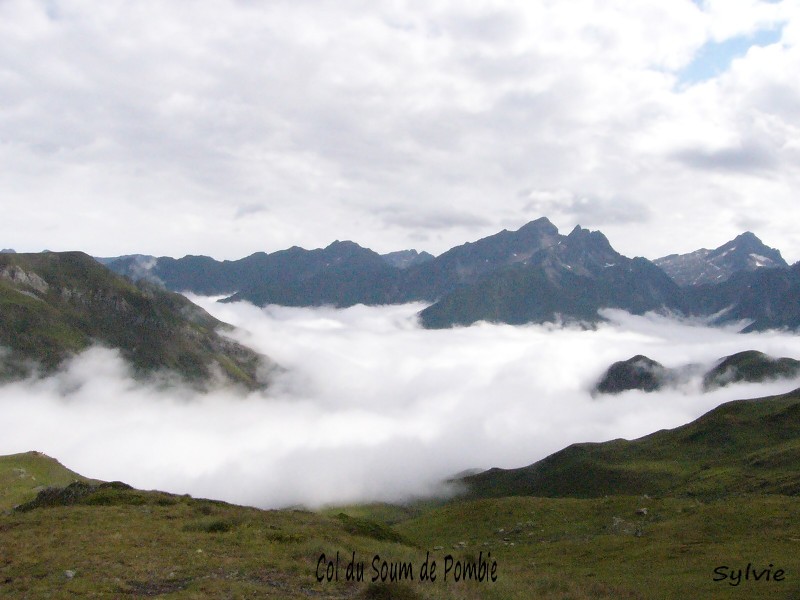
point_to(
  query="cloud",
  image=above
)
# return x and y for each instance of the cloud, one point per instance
(370, 408)
(431, 219)
(745, 159)
(587, 210)
(175, 123)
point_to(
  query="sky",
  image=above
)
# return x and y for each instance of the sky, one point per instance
(226, 127)
(369, 407)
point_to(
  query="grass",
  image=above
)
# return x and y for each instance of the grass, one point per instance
(22, 476)
(120, 542)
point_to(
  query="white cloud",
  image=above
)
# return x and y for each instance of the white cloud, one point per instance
(370, 408)
(166, 121)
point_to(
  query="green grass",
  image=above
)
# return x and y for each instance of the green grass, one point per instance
(22, 476)
(137, 544)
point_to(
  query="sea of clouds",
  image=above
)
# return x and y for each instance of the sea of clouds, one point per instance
(370, 407)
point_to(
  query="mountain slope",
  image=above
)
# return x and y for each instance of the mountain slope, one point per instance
(744, 253)
(57, 304)
(637, 373)
(768, 298)
(22, 476)
(751, 366)
(571, 279)
(468, 263)
(742, 446)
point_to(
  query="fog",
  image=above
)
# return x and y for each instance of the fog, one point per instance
(370, 407)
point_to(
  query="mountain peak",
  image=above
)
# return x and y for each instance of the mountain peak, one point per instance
(346, 247)
(589, 240)
(542, 224)
(402, 259)
(747, 236)
(746, 252)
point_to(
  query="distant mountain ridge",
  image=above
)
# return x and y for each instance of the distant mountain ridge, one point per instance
(533, 274)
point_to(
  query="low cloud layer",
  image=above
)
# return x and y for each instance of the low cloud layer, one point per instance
(370, 408)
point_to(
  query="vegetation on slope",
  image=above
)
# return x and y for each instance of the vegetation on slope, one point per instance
(115, 541)
(751, 366)
(739, 447)
(53, 305)
(23, 476)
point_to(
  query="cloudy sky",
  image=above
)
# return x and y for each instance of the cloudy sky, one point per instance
(225, 127)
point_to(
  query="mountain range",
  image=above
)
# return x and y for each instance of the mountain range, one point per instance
(533, 274)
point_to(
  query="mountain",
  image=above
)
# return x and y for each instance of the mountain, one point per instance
(645, 374)
(744, 253)
(198, 274)
(751, 366)
(533, 274)
(402, 259)
(570, 279)
(764, 299)
(468, 263)
(636, 373)
(739, 447)
(342, 274)
(58, 304)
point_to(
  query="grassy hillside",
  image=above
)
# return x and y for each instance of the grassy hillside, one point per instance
(739, 447)
(22, 476)
(113, 541)
(56, 304)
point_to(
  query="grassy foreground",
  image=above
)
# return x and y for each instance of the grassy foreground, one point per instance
(116, 542)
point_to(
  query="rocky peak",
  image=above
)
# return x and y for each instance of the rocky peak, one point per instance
(588, 248)
(743, 253)
(402, 259)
